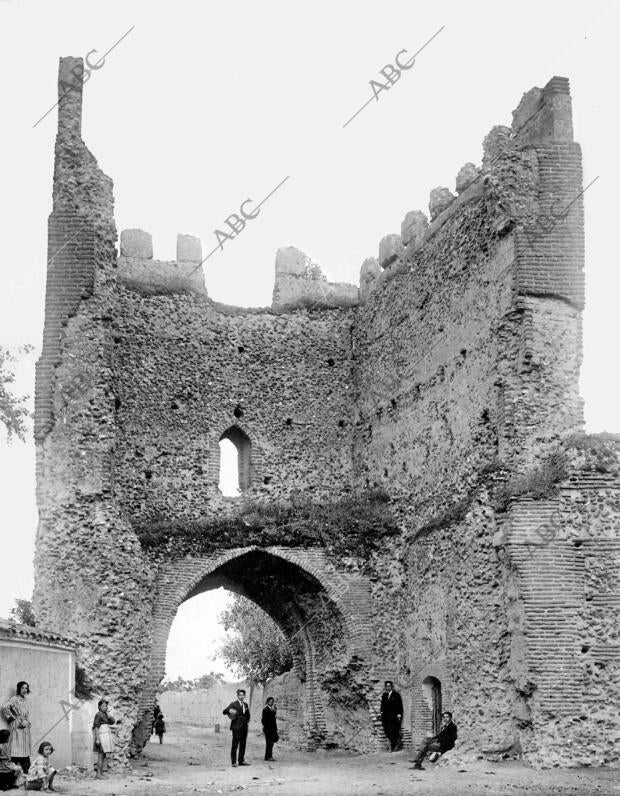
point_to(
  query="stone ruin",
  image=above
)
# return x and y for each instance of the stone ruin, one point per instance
(418, 499)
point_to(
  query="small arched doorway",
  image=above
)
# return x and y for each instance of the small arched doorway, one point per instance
(432, 693)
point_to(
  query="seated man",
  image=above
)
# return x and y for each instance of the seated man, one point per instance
(438, 744)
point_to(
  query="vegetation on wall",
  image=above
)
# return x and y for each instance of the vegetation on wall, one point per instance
(539, 483)
(352, 526)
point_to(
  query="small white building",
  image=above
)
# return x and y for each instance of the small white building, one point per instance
(46, 661)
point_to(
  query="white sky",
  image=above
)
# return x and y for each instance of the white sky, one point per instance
(206, 104)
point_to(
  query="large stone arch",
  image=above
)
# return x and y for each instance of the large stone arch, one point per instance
(324, 613)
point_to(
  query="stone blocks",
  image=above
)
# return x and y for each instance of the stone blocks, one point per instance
(390, 249)
(137, 243)
(189, 249)
(413, 229)
(441, 199)
(369, 273)
(468, 174)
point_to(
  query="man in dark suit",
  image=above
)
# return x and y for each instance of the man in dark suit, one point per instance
(239, 715)
(391, 715)
(439, 744)
(270, 727)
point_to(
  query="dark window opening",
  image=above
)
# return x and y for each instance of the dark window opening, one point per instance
(238, 411)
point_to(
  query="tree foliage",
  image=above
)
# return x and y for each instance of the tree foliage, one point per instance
(255, 648)
(13, 409)
(22, 612)
(181, 684)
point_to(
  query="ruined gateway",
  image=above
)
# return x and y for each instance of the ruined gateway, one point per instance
(419, 500)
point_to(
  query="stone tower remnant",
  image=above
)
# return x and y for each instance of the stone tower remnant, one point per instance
(418, 499)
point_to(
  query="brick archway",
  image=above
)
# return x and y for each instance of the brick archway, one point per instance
(323, 613)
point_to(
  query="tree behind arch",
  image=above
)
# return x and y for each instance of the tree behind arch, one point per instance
(256, 649)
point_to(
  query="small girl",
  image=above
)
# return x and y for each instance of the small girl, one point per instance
(41, 774)
(160, 727)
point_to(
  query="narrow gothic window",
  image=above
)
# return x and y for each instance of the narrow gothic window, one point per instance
(234, 462)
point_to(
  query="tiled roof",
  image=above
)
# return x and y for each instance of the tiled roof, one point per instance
(13, 630)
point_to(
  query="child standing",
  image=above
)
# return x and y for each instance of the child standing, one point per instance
(160, 727)
(41, 774)
(103, 742)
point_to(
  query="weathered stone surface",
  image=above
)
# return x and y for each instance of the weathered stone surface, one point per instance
(390, 249)
(467, 175)
(413, 229)
(299, 283)
(369, 273)
(189, 249)
(441, 199)
(161, 278)
(528, 109)
(137, 243)
(497, 141)
(290, 260)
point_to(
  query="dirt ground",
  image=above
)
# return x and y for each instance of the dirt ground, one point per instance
(196, 760)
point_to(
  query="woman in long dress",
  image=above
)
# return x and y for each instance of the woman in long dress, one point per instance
(17, 713)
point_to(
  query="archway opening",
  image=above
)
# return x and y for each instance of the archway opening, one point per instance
(322, 698)
(218, 642)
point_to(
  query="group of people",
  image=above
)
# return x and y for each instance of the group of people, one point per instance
(16, 767)
(391, 715)
(239, 714)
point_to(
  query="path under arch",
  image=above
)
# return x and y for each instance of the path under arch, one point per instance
(324, 613)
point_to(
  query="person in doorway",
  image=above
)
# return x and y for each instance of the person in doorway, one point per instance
(41, 774)
(439, 744)
(239, 715)
(11, 774)
(270, 727)
(160, 727)
(17, 713)
(103, 743)
(391, 715)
